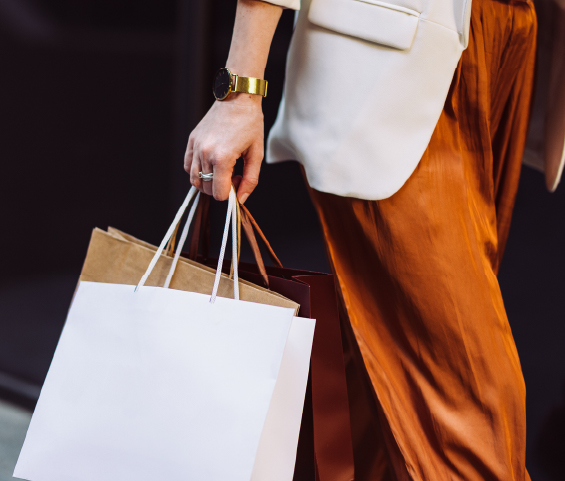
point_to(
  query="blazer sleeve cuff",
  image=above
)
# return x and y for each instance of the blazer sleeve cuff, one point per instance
(292, 4)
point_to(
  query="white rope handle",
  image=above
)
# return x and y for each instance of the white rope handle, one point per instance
(191, 194)
(231, 214)
(182, 240)
(234, 246)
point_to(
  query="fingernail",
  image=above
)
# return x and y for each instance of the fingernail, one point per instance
(243, 198)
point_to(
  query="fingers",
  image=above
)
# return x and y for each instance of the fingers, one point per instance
(198, 159)
(251, 169)
(195, 168)
(236, 180)
(206, 167)
(223, 172)
(211, 160)
(195, 162)
(191, 164)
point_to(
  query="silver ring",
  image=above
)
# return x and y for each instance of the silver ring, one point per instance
(206, 177)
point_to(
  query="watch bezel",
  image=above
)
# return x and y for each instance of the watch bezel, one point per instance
(230, 89)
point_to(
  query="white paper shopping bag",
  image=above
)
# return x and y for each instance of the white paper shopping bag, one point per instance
(276, 456)
(156, 383)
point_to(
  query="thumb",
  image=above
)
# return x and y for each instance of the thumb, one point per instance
(236, 180)
(251, 168)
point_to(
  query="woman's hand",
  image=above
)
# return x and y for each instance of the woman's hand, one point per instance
(231, 129)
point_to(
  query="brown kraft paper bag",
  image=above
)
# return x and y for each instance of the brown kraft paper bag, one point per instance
(118, 258)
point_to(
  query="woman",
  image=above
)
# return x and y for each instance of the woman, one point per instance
(410, 119)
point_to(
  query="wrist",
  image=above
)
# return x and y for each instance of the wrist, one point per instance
(229, 85)
(243, 99)
(247, 70)
(248, 66)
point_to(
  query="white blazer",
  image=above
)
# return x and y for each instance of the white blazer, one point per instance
(545, 149)
(365, 85)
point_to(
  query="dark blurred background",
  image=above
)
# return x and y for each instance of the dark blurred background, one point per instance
(97, 99)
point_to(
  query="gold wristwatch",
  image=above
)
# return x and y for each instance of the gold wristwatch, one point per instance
(225, 83)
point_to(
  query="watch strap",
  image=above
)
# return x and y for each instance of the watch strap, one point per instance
(250, 85)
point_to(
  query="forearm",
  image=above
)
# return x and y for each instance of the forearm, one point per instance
(255, 25)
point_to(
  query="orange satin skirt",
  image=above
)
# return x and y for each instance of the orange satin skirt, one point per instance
(436, 388)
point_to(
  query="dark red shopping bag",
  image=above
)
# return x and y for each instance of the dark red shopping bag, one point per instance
(325, 450)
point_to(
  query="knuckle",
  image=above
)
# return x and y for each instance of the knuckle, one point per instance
(252, 181)
(204, 150)
(207, 150)
(219, 157)
(220, 196)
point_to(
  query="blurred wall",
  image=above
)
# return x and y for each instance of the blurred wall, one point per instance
(86, 121)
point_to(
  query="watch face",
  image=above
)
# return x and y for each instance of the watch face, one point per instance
(222, 84)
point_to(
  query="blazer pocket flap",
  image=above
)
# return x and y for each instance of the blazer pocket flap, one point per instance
(371, 20)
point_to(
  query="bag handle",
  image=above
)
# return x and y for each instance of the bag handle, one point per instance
(201, 232)
(172, 228)
(274, 259)
(230, 216)
(182, 240)
(250, 226)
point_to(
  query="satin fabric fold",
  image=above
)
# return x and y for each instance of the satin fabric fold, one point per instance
(436, 388)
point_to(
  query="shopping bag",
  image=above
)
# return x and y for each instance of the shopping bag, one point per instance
(115, 256)
(280, 437)
(156, 383)
(119, 258)
(325, 450)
